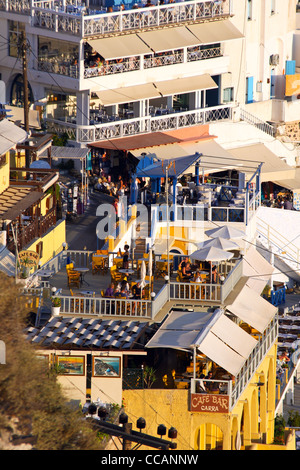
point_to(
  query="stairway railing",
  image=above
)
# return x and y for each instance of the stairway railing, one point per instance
(282, 247)
(258, 123)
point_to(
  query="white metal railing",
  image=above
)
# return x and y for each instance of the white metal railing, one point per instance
(259, 123)
(231, 279)
(99, 306)
(264, 344)
(195, 291)
(87, 22)
(139, 125)
(282, 247)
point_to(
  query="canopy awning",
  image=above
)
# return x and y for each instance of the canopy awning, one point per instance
(116, 47)
(156, 90)
(214, 334)
(257, 268)
(186, 85)
(128, 94)
(10, 135)
(215, 31)
(7, 262)
(177, 168)
(273, 167)
(169, 39)
(250, 307)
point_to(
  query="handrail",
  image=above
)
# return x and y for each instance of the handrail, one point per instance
(259, 123)
(140, 125)
(281, 243)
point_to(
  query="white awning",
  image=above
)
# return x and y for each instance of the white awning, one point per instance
(257, 268)
(253, 309)
(169, 39)
(186, 85)
(215, 31)
(10, 135)
(156, 90)
(116, 47)
(128, 94)
(17, 115)
(7, 262)
(214, 334)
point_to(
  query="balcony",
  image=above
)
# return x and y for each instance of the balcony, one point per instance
(118, 127)
(76, 19)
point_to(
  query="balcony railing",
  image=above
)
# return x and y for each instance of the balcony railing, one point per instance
(140, 125)
(87, 22)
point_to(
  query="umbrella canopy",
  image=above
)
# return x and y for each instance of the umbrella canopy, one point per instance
(143, 273)
(230, 233)
(221, 243)
(211, 254)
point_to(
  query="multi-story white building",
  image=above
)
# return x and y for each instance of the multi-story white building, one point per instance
(162, 66)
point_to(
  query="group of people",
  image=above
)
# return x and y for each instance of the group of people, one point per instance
(122, 290)
(191, 272)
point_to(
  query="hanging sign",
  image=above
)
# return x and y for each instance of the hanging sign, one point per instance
(29, 258)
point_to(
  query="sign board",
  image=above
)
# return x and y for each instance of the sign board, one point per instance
(29, 258)
(209, 403)
(292, 84)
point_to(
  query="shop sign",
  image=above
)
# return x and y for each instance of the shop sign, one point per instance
(209, 403)
(29, 258)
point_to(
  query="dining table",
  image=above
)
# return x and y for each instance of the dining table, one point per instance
(82, 272)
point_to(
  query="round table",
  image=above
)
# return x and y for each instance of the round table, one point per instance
(82, 272)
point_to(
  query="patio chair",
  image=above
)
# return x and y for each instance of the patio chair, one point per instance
(75, 303)
(73, 275)
(161, 269)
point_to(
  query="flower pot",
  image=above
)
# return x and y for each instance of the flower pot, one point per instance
(55, 311)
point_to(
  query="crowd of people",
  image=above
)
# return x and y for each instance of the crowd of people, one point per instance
(192, 272)
(122, 290)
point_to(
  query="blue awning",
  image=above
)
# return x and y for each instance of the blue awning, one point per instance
(176, 167)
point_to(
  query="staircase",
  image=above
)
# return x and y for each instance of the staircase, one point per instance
(258, 123)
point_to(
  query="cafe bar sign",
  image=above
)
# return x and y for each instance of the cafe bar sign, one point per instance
(209, 403)
(29, 258)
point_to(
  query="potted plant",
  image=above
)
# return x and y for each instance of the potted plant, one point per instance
(55, 305)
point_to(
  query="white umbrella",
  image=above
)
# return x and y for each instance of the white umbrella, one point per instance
(222, 243)
(230, 233)
(150, 266)
(211, 254)
(143, 273)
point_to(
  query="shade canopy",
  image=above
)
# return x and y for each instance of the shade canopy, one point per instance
(250, 307)
(221, 243)
(114, 47)
(175, 167)
(169, 39)
(225, 231)
(211, 253)
(156, 89)
(212, 333)
(212, 32)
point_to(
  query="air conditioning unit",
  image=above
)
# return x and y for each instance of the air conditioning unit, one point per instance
(274, 59)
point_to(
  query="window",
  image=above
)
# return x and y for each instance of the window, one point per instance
(39, 249)
(15, 30)
(228, 95)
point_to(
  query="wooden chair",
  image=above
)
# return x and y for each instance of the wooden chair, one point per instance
(115, 275)
(73, 275)
(161, 269)
(96, 264)
(75, 303)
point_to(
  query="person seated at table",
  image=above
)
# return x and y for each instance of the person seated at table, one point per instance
(110, 291)
(123, 294)
(197, 277)
(137, 291)
(183, 262)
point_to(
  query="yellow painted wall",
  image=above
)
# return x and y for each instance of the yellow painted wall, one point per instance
(52, 241)
(199, 431)
(4, 175)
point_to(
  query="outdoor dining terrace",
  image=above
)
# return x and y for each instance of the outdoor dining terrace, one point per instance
(85, 294)
(74, 17)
